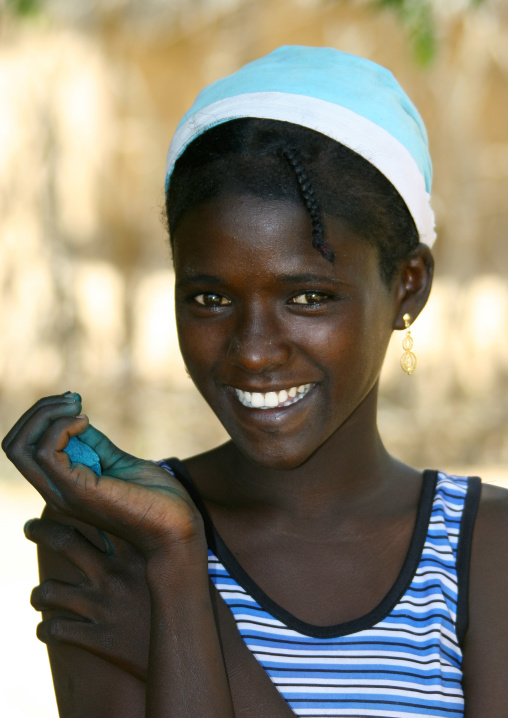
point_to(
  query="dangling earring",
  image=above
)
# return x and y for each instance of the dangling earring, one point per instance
(408, 359)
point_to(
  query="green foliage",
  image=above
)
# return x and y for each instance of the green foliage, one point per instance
(24, 8)
(418, 18)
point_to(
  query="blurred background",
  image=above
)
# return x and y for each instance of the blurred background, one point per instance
(90, 94)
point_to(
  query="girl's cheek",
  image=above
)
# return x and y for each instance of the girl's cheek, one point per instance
(199, 350)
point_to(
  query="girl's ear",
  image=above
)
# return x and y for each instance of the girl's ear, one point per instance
(414, 282)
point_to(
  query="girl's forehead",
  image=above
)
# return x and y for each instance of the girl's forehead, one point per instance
(243, 225)
(257, 235)
(242, 208)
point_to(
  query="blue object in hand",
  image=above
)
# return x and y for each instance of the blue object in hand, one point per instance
(81, 453)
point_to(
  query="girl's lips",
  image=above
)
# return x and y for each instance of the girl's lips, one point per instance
(272, 399)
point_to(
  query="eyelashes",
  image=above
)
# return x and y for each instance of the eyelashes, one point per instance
(210, 299)
(311, 298)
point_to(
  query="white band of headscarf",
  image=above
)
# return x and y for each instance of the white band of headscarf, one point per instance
(358, 133)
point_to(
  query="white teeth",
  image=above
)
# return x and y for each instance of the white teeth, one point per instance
(257, 400)
(283, 396)
(272, 399)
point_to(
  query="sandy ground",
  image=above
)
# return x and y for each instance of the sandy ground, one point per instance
(25, 680)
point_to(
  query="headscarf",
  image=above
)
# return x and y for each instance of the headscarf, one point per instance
(348, 98)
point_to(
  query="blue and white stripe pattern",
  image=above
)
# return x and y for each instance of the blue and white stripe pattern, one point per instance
(404, 664)
(407, 664)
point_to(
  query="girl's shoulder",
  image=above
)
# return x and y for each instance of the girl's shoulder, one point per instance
(491, 527)
(486, 644)
(491, 500)
(488, 507)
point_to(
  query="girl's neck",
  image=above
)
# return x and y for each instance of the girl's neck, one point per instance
(352, 468)
(327, 478)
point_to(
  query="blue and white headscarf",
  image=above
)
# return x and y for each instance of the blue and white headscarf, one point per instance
(348, 98)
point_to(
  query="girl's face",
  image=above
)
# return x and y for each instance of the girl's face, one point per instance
(282, 344)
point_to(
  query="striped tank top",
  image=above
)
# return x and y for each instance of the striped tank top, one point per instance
(402, 659)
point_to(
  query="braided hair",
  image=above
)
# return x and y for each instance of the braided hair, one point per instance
(307, 191)
(277, 160)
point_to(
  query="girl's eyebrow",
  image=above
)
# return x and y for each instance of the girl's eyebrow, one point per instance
(307, 277)
(195, 278)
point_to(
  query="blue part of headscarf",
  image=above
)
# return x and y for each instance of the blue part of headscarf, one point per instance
(338, 77)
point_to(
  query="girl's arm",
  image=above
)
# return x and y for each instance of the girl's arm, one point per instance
(184, 640)
(108, 592)
(96, 618)
(118, 627)
(486, 644)
(144, 505)
(89, 687)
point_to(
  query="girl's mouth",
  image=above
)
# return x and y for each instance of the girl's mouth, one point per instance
(272, 399)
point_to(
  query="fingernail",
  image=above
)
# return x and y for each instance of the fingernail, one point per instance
(108, 546)
(26, 527)
(72, 396)
(81, 416)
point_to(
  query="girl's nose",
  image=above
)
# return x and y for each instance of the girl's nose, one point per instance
(257, 346)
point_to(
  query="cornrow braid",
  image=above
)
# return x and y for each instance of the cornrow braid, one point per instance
(318, 231)
(275, 160)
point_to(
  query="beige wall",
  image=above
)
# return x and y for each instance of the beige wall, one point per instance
(86, 114)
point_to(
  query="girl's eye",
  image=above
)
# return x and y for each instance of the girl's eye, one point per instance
(310, 298)
(212, 300)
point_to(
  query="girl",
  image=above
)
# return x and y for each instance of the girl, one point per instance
(298, 569)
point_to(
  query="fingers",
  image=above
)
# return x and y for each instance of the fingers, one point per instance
(68, 542)
(69, 399)
(37, 452)
(36, 441)
(57, 595)
(56, 437)
(81, 493)
(96, 639)
(21, 443)
(118, 464)
(110, 455)
(74, 632)
(136, 501)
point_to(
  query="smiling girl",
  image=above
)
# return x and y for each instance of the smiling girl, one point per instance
(298, 569)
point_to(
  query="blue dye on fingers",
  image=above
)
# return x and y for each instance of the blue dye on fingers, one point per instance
(81, 453)
(53, 488)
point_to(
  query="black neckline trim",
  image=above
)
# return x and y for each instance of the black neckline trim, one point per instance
(471, 504)
(402, 583)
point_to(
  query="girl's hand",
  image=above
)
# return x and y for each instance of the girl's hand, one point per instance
(113, 603)
(133, 499)
(107, 612)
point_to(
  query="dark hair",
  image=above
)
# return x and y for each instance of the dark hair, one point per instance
(278, 160)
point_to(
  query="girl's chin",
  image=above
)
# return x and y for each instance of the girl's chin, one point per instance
(275, 455)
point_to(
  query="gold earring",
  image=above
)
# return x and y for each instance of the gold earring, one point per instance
(408, 359)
